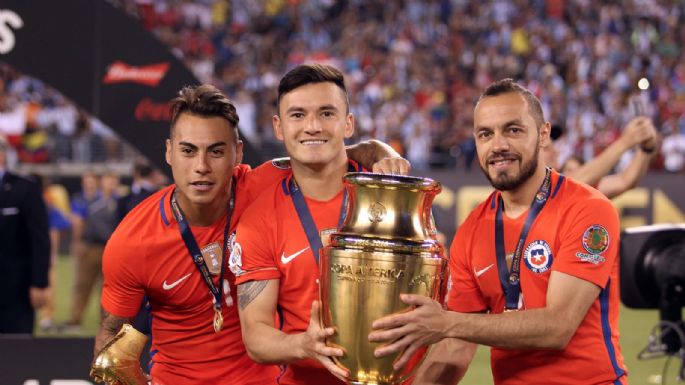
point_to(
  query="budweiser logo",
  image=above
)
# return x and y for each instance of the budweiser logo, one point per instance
(149, 75)
(149, 110)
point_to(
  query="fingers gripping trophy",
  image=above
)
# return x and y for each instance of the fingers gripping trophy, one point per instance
(118, 363)
(386, 246)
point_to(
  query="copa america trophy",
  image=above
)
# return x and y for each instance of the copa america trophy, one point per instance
(386, 246)
(119, 361)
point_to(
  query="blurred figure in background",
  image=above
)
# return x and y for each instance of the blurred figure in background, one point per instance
(142, 186)
(99, 222)
(24, 249)
(673, 148)
(56, 200)
(639, 132)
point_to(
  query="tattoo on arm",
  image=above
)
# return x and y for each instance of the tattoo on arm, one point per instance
(248, 291)
(109, 327)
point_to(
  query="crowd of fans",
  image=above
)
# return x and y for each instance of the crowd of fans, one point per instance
(414, 69)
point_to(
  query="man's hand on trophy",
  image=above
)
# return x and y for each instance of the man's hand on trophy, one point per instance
(392, 165)
(315, 346)
(407, 332)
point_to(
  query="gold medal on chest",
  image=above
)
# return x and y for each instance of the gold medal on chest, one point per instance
(213, 256)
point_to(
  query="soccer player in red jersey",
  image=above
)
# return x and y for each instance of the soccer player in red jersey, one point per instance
(279, 236)
(170, 249)
(533, 269)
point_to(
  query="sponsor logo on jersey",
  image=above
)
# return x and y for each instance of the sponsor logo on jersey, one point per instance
(482, 271)
(169, 286)
(287, 259)
(538, 256)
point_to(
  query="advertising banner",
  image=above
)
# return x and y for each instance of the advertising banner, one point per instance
(104, 61)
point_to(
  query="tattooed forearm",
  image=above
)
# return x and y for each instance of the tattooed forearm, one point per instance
(248, 291)
(109, 327)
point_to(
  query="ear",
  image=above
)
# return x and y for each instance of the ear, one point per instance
(349, 125)
(239, 152)
(168, 152)
(278, 130)
(545, 131)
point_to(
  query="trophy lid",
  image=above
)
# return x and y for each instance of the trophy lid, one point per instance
(403, 182)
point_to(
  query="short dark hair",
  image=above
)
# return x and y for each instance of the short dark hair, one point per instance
(505, 86)
(311, 73)
(204, 100)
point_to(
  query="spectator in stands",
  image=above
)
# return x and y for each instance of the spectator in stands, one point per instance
(412, 57)
(24, 249)
(673, 149)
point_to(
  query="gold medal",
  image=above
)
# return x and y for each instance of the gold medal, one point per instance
(218, 320)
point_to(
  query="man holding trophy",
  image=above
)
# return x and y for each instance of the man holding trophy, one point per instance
(172, 250)
(539, 257)
(280, 235)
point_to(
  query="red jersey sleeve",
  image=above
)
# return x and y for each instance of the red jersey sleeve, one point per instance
(463, 294)
(122, 290)
(264, 177)
(253, 255)
(589, 241)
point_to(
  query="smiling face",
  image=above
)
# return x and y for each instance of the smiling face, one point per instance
(202, 153)
(313, 123)
(508, 140)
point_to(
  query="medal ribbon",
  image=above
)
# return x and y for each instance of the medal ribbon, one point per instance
(196, 254)
(511, 280)
(306, 219)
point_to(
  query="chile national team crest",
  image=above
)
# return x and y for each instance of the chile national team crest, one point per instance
(538, 256)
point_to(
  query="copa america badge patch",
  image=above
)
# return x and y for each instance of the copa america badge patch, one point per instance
(596, 239)
(538, 256)
(595, 242)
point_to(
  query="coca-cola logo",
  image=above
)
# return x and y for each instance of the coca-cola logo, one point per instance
(149, 75)
(8, 20)
(149, 110)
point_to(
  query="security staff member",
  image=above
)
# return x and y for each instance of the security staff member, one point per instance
(24, 249)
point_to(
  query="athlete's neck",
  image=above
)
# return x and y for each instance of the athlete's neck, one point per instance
(517, 201)
(320, 182)
(203, 214)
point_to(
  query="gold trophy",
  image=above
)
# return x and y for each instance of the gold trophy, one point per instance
(386, 246)
(119, 361)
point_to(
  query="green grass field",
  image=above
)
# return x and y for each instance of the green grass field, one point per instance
(635, 326)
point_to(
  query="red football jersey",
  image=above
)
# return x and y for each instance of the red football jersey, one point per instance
(274, 245)
(146, 257)
(576, 233)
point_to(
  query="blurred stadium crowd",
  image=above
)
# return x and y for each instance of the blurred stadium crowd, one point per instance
(414, 68)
